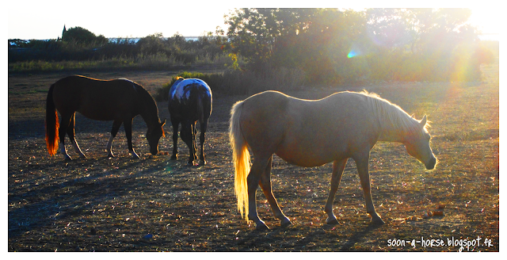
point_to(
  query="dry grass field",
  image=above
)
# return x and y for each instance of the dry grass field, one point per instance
(155, 204)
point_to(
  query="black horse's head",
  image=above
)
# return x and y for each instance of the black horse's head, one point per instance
(153, 135)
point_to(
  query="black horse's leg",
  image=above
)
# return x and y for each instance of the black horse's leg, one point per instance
(71, 132)
(175, 124)
(114, 131)
(202, 138)
(338, 167)
(64, 124)
(194, 141)
(265, 183)
(128, 132)
(186, 134)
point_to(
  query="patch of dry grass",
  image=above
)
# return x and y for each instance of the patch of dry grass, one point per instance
(155, 204)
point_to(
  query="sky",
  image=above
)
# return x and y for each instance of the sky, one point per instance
(31, 19)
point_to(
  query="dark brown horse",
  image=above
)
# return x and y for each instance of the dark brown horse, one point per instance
(119, 100)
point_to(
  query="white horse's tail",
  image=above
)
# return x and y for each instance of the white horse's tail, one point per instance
(240, 158)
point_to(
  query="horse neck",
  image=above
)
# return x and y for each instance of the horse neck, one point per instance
(395, 123)
(149, 109)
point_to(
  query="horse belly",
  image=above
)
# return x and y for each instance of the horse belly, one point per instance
(103, 113)
(308, 153)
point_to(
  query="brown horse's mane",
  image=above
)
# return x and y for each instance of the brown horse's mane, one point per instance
(149, 104)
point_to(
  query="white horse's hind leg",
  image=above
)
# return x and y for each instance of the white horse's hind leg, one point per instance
(253, 179)
(265, 183)
(338, 167)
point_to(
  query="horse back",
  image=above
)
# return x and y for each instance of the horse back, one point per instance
(97, 99)
(190, 99)
(265, 118)
(307, 132)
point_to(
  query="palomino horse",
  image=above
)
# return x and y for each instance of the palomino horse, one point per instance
(119, 100)
(189, 101)
(314, 132)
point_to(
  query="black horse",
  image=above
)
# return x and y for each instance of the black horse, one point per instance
(189, 101)
(119, 100)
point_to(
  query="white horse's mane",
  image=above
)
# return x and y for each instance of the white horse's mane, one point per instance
(390, 115)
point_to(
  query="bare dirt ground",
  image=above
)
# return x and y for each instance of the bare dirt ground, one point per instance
(155, 204)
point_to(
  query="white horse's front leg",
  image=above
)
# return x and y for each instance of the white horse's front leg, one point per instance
(364, 176)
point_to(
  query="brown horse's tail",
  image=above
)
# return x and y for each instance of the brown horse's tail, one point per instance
(240, 158)
(51, 124)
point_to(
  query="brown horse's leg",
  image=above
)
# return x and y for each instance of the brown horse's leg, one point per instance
(338, 167)
(72, 135)
(175, 124)
(364, 176)
(64, 124)
(202, 138)
(114, 131)
(265, 182)
(258, 167)
(128, 132)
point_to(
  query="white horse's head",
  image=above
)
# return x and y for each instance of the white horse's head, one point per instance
(417, 143)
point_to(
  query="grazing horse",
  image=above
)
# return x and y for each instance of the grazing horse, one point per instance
(189, 101)
(314, 132)
(119, 100)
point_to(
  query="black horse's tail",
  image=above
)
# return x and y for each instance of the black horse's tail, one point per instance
(51, 123)
(204, 104)
(200, 107)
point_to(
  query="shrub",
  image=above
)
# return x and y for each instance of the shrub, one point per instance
(235, 82)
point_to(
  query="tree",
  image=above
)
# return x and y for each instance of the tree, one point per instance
(82, 36)
(335, 46)
(255, 33)
(151, 44)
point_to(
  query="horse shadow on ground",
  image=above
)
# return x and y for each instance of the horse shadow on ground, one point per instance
(91, 190)
(29, 128)
(304, 244)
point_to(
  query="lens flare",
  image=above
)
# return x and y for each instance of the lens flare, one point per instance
(352, 54)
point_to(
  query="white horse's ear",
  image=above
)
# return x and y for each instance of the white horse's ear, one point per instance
(423, 121)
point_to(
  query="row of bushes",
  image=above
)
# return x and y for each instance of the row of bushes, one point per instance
(235, 82)
(176, 48)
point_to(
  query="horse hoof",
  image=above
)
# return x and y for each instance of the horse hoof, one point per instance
(201, 162)
(285, 222)
(174, 157)
(377, 221)
(332, 221)
(260, 226)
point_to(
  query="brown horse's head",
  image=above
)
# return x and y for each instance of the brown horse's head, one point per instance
(153, 135)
